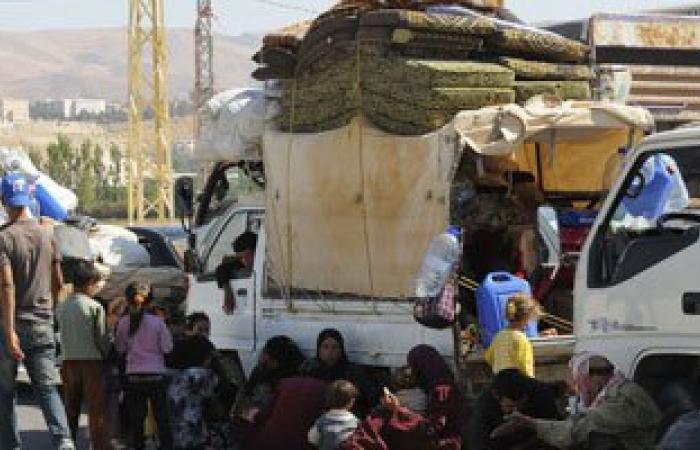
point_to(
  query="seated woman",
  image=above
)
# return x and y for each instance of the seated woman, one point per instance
(393, 426)
(280, 358)
(284, 424)
(331, 363)
(617, 412)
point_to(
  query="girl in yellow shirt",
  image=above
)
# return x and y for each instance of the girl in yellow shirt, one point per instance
(510, 348)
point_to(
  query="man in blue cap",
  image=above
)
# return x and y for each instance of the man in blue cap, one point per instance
(30, 278)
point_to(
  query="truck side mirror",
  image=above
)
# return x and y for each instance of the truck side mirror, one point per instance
(191, 261)
(549, 253)
(184, 197)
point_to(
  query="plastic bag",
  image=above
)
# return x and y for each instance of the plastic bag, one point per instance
(117, 246)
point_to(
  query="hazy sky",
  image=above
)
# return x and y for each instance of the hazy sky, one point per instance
(239, 16)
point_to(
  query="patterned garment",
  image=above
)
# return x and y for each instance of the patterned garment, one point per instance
(187, 394)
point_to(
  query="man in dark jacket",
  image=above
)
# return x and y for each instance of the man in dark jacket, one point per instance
(511, 391)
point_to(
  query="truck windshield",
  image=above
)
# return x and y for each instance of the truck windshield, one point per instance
(655, 215)
(661, 183)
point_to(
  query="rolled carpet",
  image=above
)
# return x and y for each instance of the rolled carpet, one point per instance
(424, 73)
(564, 90)
(418, 20)
(448, 99)
(536, 44)
(544, 71)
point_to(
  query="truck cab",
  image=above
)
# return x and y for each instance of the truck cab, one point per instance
(637, 295)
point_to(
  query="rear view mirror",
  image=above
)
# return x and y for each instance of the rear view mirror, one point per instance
(184, 197)
(549, 253)
(191, 261)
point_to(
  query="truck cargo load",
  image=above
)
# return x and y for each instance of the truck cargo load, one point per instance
(352, 210)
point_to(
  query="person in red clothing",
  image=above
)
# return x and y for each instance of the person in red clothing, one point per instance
(297, 403)
(392, 426)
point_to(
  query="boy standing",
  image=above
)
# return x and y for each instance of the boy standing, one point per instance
(85, 343)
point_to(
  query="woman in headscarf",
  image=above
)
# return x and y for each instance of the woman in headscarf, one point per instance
(278, 405)
(393, 426)
(613, 411)
(331, 363)
(280, 358)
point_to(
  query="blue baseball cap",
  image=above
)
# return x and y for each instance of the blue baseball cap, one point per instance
(16, 190)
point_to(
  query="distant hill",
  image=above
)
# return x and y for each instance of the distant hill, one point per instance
(92, 63)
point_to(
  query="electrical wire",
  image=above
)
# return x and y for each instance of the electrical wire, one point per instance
(288, 7)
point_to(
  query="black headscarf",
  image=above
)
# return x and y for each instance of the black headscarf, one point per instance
(318, 369)
(289, 358)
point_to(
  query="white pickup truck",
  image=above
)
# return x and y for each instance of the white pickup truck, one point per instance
(637, 292)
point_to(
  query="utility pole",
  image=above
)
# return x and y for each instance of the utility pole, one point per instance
(148, 156)
(203, 60)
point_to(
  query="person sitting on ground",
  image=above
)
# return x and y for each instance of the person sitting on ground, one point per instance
(616, 413)
(238, 266)
(331, 363)
(145, 340)
(510, 348)
(280, 358)
(511, 391)
(393, 426)
(85, 343)
(284, 424)
(338, 423)
(405, 387)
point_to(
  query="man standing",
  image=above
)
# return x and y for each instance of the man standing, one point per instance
(30, 277)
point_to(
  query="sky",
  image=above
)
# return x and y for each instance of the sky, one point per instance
(235, 17)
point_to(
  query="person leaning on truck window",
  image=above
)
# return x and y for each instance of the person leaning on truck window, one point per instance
(238, 266)
(30, 278)
(617, 413)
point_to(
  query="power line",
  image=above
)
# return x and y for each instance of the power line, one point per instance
(289, 7)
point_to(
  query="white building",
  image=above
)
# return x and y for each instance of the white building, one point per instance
(14, 111)
(87, 106)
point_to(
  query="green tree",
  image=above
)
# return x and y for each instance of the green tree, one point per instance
(87, 182)
(59, 161)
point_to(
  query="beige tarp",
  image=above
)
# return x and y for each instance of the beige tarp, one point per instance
(353, 210)
(575, 138)
(501, 130)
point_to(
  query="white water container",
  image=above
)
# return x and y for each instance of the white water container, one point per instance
(439, 263)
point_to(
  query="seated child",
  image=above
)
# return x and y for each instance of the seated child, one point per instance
(338, 423)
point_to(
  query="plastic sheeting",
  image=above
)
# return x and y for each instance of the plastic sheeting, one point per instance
(353, 210)
(232, 125)
(117, 246)
(61, 198)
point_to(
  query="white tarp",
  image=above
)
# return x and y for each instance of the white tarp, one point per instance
(352, 210)
(502, 130)
(117, 246)
(233, 122)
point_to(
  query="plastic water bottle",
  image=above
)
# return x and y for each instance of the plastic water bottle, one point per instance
(438, 263)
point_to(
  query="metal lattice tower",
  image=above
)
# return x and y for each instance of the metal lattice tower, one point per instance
(203, 60)
(148, 154)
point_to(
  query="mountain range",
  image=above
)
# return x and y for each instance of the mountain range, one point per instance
(92, 63)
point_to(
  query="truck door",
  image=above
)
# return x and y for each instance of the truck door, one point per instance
(235, 331)
(642, 277)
